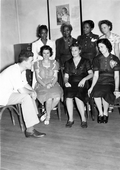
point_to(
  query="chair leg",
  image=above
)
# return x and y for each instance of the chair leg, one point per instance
(92, 109)
(20, 117)
(59, 111)
(12, 115)
(87, 110)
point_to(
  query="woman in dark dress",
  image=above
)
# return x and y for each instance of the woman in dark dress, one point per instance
(62, 48)
(77, 72)
(87, 41)
(105, 80)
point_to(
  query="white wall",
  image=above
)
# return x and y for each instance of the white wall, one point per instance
(31, 13)
(97, 10)
(9, 31)
(19, 20)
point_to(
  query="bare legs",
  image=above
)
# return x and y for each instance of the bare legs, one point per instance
(80, 106)
(50, 104)
(98, 102)
(102, 103)
(69, 104)
(102, 106)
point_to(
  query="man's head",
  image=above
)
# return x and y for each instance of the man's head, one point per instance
(26, 59)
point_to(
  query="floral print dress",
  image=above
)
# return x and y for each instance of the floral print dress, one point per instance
(47, 75)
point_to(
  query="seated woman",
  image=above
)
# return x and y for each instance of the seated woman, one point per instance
(47, 88)
(105, 82)
(77, 72)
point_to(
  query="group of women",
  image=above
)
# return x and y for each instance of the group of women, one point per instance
(76, 69)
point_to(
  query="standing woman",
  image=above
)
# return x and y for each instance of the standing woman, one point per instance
(63, 44)
(77, 72)
(47, 88)
(105, 27)
(88, 40)
(105, 82)
(42, 34)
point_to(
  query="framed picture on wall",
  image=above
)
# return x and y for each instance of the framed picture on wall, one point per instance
(64, 12)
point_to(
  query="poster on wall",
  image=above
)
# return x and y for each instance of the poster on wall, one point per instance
(61, 11)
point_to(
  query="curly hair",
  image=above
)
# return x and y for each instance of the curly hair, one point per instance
(45, 47)
(106, 42)
(90, 22)
(107, 22)
(65, 25)
(24, 55)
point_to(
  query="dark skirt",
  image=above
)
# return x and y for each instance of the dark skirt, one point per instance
(104, 91)
(75, 91)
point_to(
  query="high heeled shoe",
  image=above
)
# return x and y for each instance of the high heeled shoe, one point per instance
(69, 124)
(105, 119)
(100, 119)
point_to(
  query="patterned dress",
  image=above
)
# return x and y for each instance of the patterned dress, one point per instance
(105, 85)
(47, 75)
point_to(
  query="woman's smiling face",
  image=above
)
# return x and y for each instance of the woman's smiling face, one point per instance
(75, 51)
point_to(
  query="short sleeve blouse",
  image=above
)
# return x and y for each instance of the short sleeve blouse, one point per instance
(102, 63)
(82, 68)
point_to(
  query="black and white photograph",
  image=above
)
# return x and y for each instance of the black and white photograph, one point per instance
(60, 85)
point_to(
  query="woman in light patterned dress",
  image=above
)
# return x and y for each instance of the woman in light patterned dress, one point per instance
(47, 88)
(105, 27)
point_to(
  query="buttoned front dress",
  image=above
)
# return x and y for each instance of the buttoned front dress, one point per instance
(105, 85)
(47, 75)
(88, 45)
(76, 74)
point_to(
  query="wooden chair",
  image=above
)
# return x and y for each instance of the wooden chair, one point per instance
(41, 108)
(13, 109)
(115, 105)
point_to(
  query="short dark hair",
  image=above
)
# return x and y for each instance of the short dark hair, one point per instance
(106, 42)
(24, 55)
(90, 22)
(46, 47)
(107, 22)
(75, 44)
(40, 28)
(65, 25)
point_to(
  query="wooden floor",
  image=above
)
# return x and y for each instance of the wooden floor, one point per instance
(94, 148)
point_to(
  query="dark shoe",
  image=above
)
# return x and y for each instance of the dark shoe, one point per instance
(34, 134)
(105, 119)
(84, 124)
(100, 119)
(69, 123)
